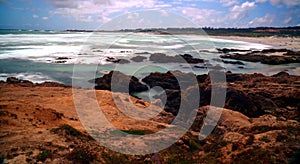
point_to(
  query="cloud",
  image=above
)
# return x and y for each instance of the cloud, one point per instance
(289, 3)
(260, 1)
(288, 20)
(45, 18)
(35, 16)
(229, 2)
(266, 20)
(63, 3)
(203, 17)
(164, 13)
(102, 9)
(240, 12)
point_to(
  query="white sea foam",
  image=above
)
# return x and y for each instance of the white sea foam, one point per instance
(50, 46)
(36, 77)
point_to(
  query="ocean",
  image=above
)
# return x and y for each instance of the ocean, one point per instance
(41, 56)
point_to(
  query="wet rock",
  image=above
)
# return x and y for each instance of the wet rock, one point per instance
(164, 80)
(186, 58)
(62, 58)
(123, 61)
(252, 58)
(60, 61)
(115, 60)
(233, 62)
(142, 53)
(261, 56)
(138, 58)
(281, 74)
(190, 59)
(201, 67)
(292, 53)
(120, 81)
(52, 84)
(12, 80)
(170, 80)
(233, 77)
(229, 50)
(239, 101)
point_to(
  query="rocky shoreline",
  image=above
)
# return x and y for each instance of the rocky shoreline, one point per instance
(271, 56)
(250, 94)
(260, 120)
(264, 56)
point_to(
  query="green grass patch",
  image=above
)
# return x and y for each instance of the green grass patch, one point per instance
(138, 132)
(265, 139)
(68, 129)
(44, 155)
(133, 132)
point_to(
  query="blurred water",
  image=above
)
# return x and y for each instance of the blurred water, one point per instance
(50, 55)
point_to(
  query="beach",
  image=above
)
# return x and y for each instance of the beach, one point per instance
(278, 42)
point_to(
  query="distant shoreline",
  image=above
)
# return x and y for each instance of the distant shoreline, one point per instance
(274, 41)
(245, 32)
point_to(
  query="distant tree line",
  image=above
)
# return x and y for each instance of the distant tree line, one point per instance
(252, 32)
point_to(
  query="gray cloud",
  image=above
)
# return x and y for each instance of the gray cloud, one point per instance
(63, 3)
(289, 3)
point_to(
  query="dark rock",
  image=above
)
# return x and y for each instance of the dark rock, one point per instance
(60, 61)
(277, 60)
(142, 53)
(217, 67)
(169, 80)
(26, 83)
(252, 58)
(202, 78)
(173, 101)
(260, 56)
(292, 53)
(62, 58)
(201, 67)
(52, 84)
(12, 80)
(138, 58)
(164, 80)
(272, 50)
(239, 101)
(123, 61)
(115, 60)
(233, 77)
(120, 83)
(190, 59)
(281, 74)
(227, 50)
(233, 62)
(163, 58)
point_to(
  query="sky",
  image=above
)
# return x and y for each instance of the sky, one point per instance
(118, 14)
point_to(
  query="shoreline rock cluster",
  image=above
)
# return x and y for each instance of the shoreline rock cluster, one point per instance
(266, 56)
(250, 94)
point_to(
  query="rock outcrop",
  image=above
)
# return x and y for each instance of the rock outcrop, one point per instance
(163, 58)
(44, 119)
(121, 83)
(266, 56)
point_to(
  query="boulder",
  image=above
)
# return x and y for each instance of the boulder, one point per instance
(12, 80)
(163, 58)
(120, 83)
(138, 58)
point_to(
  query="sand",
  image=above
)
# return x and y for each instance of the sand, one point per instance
(277, 42)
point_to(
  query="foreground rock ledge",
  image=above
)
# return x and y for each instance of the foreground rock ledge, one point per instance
(40, 124)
